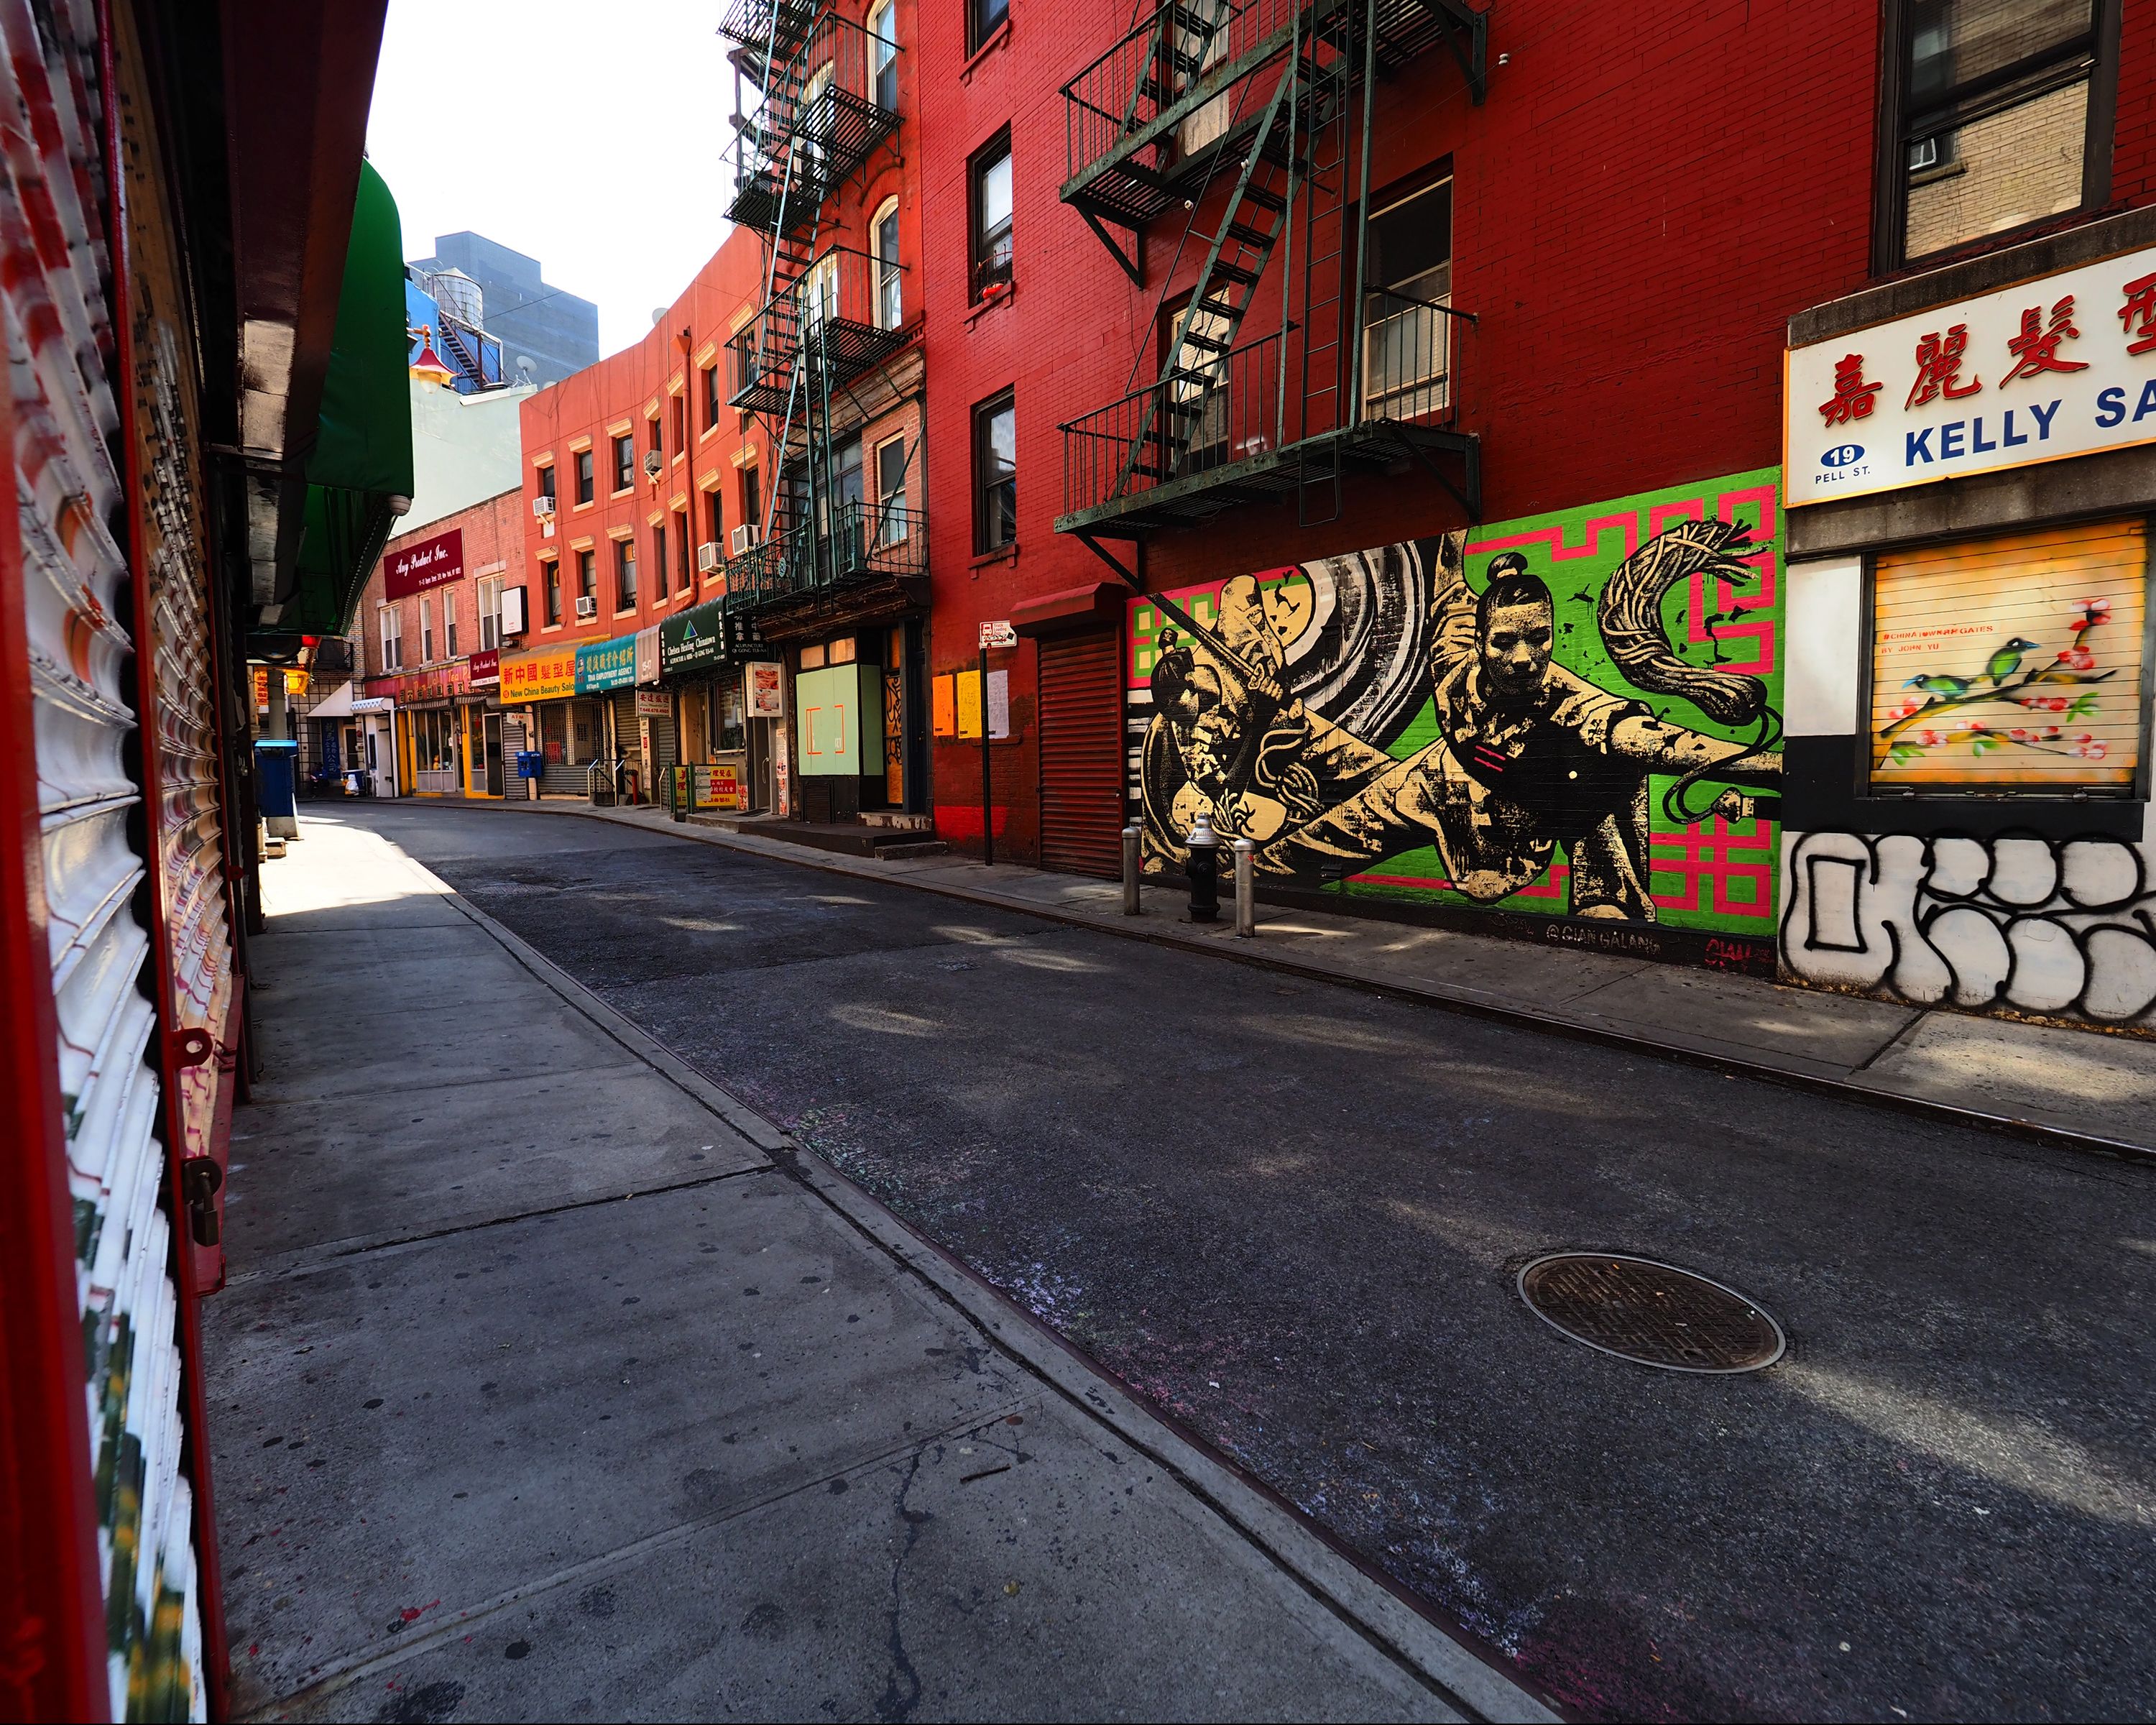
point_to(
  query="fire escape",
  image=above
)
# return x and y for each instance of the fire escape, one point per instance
(810, 363)
(1281, 369)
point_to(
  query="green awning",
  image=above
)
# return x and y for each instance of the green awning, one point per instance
(363, 454)
(694, 639)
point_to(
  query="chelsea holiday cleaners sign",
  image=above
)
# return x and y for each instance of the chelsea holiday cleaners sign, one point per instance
(432, 563)
(2060, 366)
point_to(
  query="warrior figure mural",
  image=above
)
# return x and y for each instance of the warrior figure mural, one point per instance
(1280, 718)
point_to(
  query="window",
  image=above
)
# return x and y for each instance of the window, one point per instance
(487, 595)
(890, 492)
(815, 118)
(449, 623)
(552, 571)
(992, 218)
(710, 396)
(751, 498)
(983, 17)
(625, 574)
(883, 241)
(587, 581)
(995, 473)
(392, 637)
(688, 555)
(1407, 341)
(658, 441)
(817, 295)
(883, 56)
(680, 405)
(426, 629)
(625, 462)
(716, 516)
(583, 475)
(659, 560)
(2011, 665)
(2000, 114)
(547, 482)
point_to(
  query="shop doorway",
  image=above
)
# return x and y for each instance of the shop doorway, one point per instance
(490, 742)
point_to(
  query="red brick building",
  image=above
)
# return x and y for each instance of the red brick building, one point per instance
(1308, 322)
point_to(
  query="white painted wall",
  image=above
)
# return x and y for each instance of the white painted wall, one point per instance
(465, 449)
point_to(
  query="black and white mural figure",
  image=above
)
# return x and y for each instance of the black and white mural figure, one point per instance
(1284, 718)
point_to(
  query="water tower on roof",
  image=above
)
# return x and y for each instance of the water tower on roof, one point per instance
(457, 293)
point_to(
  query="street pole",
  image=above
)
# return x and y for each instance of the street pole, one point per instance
(988, 800)
(1246, 893)
(1133, 835)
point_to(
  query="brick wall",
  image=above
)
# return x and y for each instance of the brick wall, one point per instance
(493, 545)
(1644, 199)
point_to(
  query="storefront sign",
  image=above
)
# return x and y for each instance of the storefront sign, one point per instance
(550, 674)
(653, 704)
(416, 687)
(716, 787)
(647, 654)
(2057, 367)
(432, 563)
(693, 640)
(484, 669)
(763, 689)
(295, 683)
(601, 665)
(998, 634)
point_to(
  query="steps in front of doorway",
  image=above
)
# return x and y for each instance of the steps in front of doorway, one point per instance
(872, 835)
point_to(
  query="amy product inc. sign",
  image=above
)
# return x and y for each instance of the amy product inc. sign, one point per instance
(432, 563)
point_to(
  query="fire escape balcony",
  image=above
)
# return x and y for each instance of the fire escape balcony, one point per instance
(1229, 432)
(1149, 122)
(839, 320)
(825, 111)
(866, 545)
(766, 33)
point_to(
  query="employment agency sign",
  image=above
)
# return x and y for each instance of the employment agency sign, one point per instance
(2064, 365)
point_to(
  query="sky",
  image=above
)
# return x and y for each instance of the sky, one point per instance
(586, 136)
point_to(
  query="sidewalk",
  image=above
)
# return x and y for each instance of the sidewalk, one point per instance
(490, 1243)
(2083, 1087)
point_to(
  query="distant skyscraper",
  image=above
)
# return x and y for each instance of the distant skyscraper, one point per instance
(558, 331)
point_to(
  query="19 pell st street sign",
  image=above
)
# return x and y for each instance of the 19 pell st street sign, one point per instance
(2060, 366)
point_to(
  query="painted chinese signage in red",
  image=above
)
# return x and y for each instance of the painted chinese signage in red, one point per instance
(431, 563)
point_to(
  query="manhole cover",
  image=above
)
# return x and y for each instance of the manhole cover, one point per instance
(1654, 1313)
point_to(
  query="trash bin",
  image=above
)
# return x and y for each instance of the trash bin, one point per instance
(274, 759)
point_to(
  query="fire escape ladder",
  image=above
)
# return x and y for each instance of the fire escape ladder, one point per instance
(460, 352)
(1466, 32)
(1251, 224)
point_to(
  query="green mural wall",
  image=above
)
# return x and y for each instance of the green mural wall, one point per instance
(1573, 716)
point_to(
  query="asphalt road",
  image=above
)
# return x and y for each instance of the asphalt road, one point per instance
(1291, 1215)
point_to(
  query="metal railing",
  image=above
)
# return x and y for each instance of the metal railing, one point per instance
(1193, 420)
(1203, 417)
(866, 541)
(992, 269)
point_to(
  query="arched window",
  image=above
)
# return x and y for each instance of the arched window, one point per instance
(883, 244)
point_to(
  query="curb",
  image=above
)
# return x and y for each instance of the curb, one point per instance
(2059, 1137)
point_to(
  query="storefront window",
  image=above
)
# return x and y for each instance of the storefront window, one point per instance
(434, 740)
(554, 733)
(2011, 665)
(731, 733)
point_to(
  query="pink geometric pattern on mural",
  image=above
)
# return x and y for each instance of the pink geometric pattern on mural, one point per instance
(1712, 853)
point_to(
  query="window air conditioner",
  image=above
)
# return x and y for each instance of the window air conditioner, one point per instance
(543, 508)
(708, 558)
(744, 537)
(586, 606)
(654, 462)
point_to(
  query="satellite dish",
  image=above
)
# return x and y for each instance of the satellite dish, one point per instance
(527, 368)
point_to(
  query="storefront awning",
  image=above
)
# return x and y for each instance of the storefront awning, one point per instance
(363, 455)
(1073, 609)
(336, 705)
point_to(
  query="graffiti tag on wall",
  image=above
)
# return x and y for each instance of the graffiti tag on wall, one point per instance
(2055, 927)
(1572, 715)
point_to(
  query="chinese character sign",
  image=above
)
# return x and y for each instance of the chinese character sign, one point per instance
(547, 674)
(2064, 365)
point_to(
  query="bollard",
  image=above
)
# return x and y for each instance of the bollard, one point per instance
(1203, 869)
(1246, 887)
(1132, 835)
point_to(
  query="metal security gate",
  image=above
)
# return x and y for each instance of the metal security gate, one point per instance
(1082, 753)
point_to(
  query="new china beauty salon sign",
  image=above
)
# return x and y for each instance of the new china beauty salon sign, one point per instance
(2062, 366)
(432, 563)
